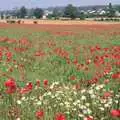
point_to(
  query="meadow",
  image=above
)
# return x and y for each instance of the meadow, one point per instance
(60, 71)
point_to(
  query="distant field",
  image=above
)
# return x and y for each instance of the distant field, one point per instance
(60, 70)
(62, 22)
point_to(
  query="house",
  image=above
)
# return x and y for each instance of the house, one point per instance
(44, 17)
(117, 14)
(102, 12)
(46, 13)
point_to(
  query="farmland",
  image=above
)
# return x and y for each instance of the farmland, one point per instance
(60, 71)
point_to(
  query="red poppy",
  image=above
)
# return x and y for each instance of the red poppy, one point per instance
(45, 82)
(93, 81)
(38, 83)
(107, 94)
(11, 86)
(116, 75)
(60, 116)
(77, 86)
(25, 42)
(39, 114)
(9, 56)
(27, 88)
(1, 55)
(75, 61)
(20, 49)
(88, 118)
(115, 113)
(73, 77)
(106, 81)
(40, 53)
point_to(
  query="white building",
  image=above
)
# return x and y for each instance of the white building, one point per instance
(46, 13)
(44, 17)
(102, 12)
(117, 14)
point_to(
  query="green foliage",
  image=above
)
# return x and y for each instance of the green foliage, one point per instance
(38, 13)
(56, 13)
(22, 12)
(50, 16)
(70, 11)
(111, 11)
(82, 16)
(118, 8)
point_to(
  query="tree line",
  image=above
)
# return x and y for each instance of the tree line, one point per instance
(69, 11)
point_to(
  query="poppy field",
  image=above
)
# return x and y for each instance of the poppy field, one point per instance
(60, 72)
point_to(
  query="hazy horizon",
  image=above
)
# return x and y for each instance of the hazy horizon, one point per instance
(10, 4)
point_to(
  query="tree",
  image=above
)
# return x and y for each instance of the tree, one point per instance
(16, 12)
(22, 12)
(118, 8)
(38, 13)
(56, 13)
(82, 16)
(30, 13)
(111, 11)
(70, 11)
(2, 15)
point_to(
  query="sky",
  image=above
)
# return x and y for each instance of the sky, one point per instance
(9, 4)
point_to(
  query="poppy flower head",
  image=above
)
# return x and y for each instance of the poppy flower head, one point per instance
(116, 75)
(9, 55)
(88, 118)
(27, 88)
(107, 95)
(39, 114)
(45, 82)
(115, 113)
(11, 86)
(60, 116)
